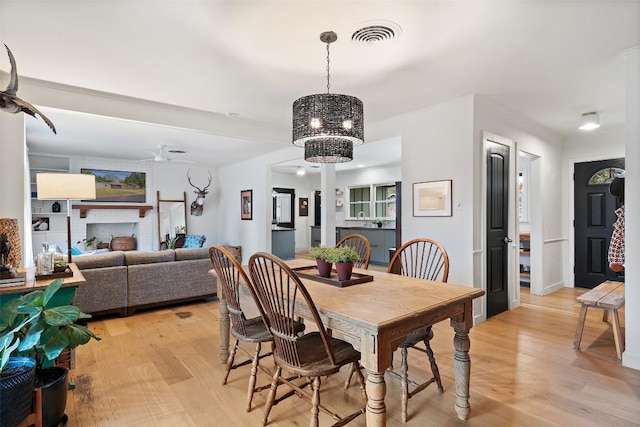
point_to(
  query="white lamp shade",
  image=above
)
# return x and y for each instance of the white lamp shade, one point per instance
(65, 186)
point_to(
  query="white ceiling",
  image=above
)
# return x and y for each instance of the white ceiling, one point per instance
(549, 61)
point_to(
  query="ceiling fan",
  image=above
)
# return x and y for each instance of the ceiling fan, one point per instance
(159, 156)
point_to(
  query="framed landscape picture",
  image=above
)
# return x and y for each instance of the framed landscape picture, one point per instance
(246, 204)
(432, 198)
(119, 186)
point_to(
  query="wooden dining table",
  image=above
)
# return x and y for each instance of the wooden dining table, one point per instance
(376, 316)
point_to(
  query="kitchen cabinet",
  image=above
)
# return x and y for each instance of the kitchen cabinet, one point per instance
(283, 243)
(380, 240)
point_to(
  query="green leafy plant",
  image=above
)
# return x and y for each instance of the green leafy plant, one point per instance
(30, 327)
(93, 241)
(329, 254)
(344, 254)
(321, 252)
(171, 242)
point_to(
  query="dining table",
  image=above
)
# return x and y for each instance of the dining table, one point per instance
(376, 316)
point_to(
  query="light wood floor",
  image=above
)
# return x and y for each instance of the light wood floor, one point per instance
(161, 368)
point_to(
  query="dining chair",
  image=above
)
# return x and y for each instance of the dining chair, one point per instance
(360, 244)
(310, 356)
(425, 259)
(252, 330)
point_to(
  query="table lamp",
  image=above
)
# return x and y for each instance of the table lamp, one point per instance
(66, 186)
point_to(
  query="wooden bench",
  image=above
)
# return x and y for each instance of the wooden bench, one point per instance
(607, 296)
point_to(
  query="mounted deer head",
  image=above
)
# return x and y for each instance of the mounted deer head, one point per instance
(198, 203)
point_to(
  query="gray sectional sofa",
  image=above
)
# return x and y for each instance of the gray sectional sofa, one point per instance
(124, 282)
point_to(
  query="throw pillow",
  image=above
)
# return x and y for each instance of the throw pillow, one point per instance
(194, 241)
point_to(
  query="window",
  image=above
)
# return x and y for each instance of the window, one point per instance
(363, 206)
(385, 201)
(604, 176)
(359, 202)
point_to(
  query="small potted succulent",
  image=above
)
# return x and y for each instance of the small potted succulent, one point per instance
(344, 257)
(323, 257)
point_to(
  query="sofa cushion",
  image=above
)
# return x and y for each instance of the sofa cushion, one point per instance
(194, 241)
(111, 259)
(191, 253)
(149, 257)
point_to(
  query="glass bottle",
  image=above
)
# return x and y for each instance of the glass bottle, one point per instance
(44, 261)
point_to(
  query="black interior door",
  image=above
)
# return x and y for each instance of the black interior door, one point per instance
(317, 208)
(497, 228)
(594, 216)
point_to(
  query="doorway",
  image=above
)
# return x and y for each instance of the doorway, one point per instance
(594, 216)
(497, 225)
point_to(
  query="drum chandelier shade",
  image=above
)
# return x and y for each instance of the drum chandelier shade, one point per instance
(328, 125)
(328, 150)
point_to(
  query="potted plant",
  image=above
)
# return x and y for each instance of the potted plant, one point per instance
(17, 377)
(90, 243)
(379, 222)
(43, 333)
(344, 257)
(323, 257)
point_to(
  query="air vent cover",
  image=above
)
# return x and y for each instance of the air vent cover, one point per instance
(376, 32)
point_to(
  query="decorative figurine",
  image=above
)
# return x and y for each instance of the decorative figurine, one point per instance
(10, 102)
(5, 248)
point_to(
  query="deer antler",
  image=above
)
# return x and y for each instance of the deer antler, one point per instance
(205, 188)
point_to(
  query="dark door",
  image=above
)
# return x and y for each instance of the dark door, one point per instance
(497, 228)
(594, 213)
(317, 212)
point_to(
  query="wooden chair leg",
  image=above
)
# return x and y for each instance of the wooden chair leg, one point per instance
(605, 315)
(352, 370)
(434, 366)
(580, 327)
(315, 402)
(232, 356)
(404, 384)
(252, 377)
(272, 395)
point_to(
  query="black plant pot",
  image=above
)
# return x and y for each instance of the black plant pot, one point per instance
(53, 382)
(16, 390)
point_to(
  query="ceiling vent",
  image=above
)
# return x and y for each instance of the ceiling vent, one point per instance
(376, 32)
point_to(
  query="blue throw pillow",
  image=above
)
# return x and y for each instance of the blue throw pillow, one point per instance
(194, 241)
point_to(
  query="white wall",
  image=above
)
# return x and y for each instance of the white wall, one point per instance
(437, 144)
(14, 183)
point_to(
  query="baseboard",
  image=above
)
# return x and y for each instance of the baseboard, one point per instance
(631, 360)
(552, 288)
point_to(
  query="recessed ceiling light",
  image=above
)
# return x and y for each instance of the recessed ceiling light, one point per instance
(360, 165)
(300, 171)
(590, 121)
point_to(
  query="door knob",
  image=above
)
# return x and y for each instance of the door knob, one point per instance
(507, 239)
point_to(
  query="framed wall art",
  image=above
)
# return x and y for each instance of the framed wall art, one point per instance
(303, 206)
(246, 204)
(432, 198)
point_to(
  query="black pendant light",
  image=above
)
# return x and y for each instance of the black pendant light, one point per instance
(328, 125)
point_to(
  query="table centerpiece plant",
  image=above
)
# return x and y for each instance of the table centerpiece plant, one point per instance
(344, 257)
(323, 257)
